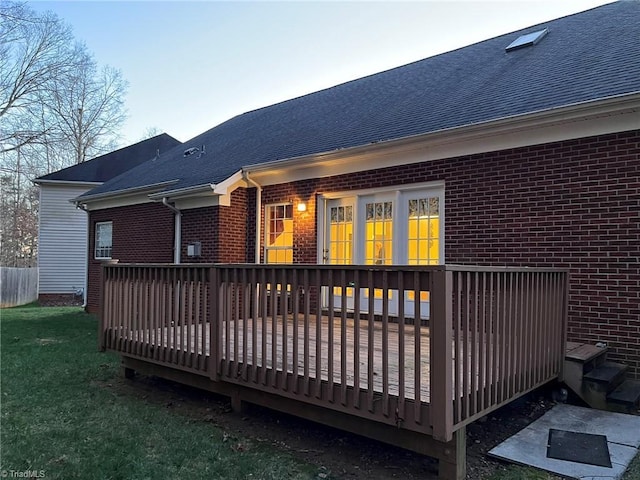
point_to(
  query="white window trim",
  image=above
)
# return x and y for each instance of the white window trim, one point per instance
(398, 193)
(95, 240)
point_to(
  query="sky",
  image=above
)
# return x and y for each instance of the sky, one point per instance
(192, 65)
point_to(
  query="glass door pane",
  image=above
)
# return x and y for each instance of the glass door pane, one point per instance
(423, 237)
(339, 244)
(340, 235)
(378, 233)
(378, 214)
(423, 241)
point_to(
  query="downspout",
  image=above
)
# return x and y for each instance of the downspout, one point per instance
(86, 263)
(177, 240)
(245, 176)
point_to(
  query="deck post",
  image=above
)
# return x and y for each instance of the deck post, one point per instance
(214, 341)
(237, 405)
(441, 352)
(564, 292)
(453, 466)
(104, 308)
(101, 316)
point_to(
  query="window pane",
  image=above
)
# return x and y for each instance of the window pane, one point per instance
(340, 235)
(423, 239)
(103, 240)
(379, 233)
(279, 234)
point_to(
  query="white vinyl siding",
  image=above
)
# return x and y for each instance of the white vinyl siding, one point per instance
(62, 245)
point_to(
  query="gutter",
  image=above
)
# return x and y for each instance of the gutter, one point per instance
(123, 192)
(177, 239)
(181, 192)
(82, 207)
(245, 176)
(78, 183)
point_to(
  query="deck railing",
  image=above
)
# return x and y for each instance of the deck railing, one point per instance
(158, 312)
(508, 327)
(428, 349)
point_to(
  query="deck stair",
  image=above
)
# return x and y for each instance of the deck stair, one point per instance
(602, 384)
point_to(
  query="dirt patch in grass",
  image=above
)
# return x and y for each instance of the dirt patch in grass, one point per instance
(68, 301)
(339, 454)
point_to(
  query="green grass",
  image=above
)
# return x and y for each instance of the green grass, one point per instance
(59, 416)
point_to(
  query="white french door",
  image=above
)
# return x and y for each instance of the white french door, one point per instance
(376, 244)
(424, 240)
(396, 227)
(339, 241)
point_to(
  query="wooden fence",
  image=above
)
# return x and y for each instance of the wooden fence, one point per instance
(18, 286)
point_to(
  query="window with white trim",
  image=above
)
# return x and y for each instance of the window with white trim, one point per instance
(104, 240)
(279, 233)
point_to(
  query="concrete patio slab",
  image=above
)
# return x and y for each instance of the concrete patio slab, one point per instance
(529, 446)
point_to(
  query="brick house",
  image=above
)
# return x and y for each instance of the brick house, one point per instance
(521, 150)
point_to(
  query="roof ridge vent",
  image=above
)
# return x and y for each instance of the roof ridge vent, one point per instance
(527, 40)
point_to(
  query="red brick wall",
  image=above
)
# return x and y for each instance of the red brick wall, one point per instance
(225, 233)
(141, 233)
(200, 225)
(234, 244)
(572, 204)
(145, 234)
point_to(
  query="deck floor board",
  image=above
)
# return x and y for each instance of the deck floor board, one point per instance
(189, 338)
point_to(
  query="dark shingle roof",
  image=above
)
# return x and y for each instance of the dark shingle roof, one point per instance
(586, 56)
(110, 165)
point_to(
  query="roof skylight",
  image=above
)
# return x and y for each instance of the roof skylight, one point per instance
(527, 40)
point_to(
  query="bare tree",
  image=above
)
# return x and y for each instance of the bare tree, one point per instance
(18, 223)
(88, 102)
(150, 132)
(57, 108)
(34, 49)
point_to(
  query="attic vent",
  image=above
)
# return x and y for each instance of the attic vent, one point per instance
(527, 40)
(193, 150)
(190, 151)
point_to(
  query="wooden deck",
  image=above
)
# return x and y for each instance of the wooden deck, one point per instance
(349, 361)
(493, 334)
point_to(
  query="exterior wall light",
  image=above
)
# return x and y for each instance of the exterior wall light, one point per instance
(302, 207)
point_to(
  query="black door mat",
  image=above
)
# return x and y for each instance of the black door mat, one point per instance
(578, 447)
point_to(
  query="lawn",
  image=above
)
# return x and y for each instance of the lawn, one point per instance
(63, 416)
(59, 417)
